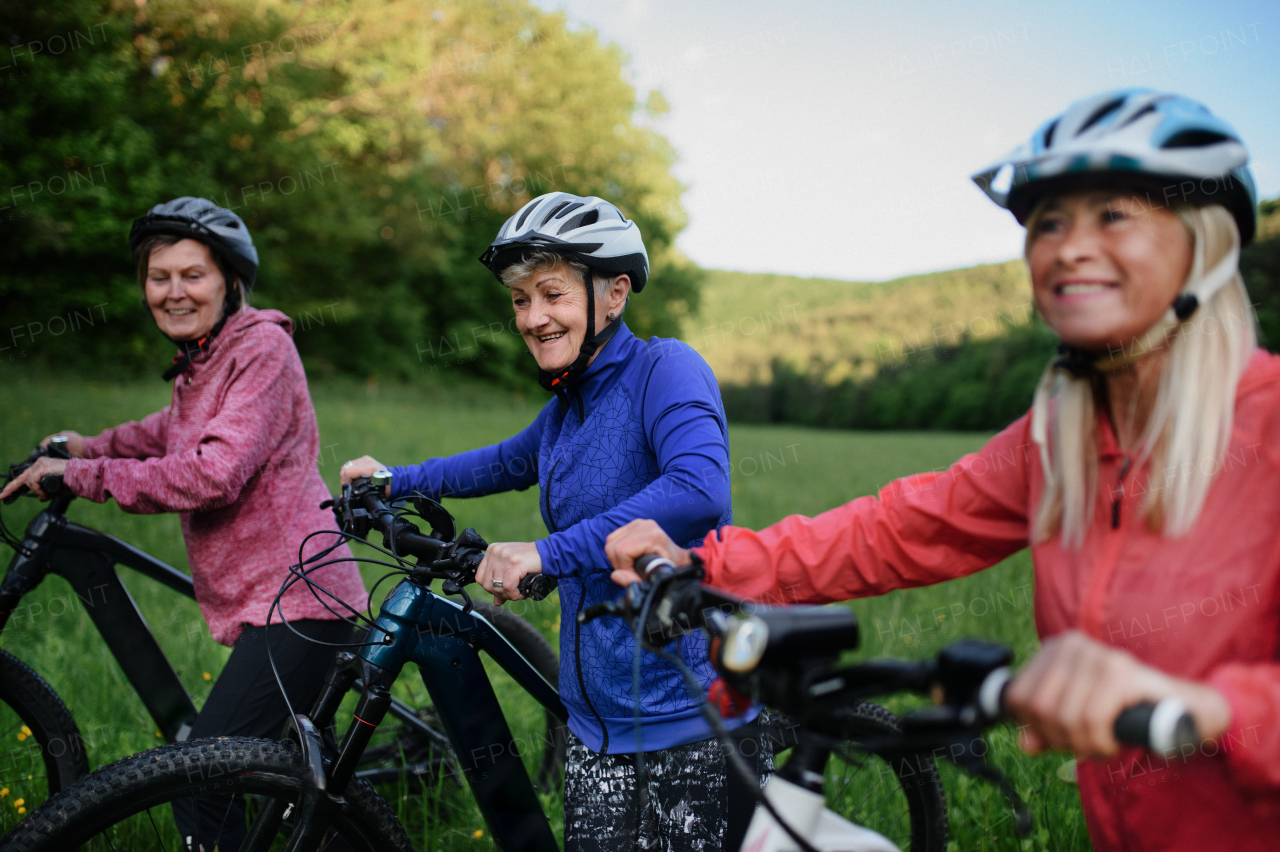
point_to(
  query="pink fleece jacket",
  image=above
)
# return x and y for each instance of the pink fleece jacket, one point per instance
(1204, 606)
(235, 455)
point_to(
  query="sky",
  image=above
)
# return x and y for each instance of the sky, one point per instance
(836, 139)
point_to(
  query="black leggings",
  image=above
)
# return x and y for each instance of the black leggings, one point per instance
(246, 702)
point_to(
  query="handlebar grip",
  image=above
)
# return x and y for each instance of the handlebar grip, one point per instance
(1162, 727)
(643, 563)
(536, 586)
(51, 484)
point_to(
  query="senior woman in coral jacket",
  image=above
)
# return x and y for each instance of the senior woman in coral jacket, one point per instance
(1145, 479)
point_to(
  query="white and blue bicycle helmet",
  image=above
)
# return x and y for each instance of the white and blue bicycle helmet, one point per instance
(588, 230)
(1165, 144)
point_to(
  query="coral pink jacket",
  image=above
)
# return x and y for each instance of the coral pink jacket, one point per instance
(1203, 607)
(235, 454)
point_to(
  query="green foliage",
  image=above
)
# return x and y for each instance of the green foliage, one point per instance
(373, 150)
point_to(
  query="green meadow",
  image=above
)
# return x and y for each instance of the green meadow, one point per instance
(776, 471)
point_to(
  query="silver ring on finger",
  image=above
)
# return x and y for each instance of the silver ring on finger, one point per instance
(497, 584)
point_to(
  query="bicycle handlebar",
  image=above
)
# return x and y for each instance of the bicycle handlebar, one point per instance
(361, 508)
(51, 483)
(785, 657)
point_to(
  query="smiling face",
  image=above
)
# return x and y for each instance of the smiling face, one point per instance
(185, 289)
(1105, 266)
(551, 315)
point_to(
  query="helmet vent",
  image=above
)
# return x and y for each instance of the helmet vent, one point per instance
(1194, 139)
(590, 217)
(1146, 110)
(525, 215)
(1101, 113)
(566, 211)
(1048, 134)
(554, 211)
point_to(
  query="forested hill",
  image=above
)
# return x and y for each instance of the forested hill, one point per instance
(844, 329)
(960, 349)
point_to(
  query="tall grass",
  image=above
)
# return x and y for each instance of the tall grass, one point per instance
(777, 471)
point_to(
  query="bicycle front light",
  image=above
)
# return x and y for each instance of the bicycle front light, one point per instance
(744, 644)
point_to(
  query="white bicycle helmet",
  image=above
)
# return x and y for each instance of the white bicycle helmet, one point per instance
(589, 230)
(1164, 143)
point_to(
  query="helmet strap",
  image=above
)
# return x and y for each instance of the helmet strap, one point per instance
(1203, 286)
(188, 349)
(558, 382)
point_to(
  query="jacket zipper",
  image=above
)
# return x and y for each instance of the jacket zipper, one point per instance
(577, 629)
(1118, 493)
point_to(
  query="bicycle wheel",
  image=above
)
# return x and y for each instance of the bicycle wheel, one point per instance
(401, 752)
(901, 797)
(41, 751)
(128, 805)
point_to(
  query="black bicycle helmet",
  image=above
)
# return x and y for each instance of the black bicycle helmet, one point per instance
(222, 230)
(201, 219)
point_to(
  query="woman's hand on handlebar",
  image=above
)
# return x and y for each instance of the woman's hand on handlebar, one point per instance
(625, 544)
(31, 476)
(356, 468)
(75, 442)
(508, 562)
(1072, 691)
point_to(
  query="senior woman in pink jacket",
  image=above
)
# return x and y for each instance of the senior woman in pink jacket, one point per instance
(234, 454)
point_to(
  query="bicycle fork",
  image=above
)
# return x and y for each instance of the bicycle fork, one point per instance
(411, 628)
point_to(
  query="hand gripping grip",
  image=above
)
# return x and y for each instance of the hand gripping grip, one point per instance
(1160, 727)
(536, 586)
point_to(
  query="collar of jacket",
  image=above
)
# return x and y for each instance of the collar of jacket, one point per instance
(587, 388)
(243, 318)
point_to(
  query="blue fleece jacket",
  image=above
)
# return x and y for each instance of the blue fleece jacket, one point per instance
(643, 437)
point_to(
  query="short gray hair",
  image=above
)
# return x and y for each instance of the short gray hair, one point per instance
(541, 260)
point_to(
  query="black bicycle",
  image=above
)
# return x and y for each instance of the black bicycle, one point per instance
(786, 658)
(41, 748)
(306, 790)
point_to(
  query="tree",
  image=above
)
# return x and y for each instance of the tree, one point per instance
(373, 150)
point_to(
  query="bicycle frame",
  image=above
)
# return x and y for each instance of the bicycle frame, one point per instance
(87, 560)
(444, 638)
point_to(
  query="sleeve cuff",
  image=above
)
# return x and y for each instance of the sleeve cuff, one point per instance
(1252, 719)
(84, 478)
(549, 566)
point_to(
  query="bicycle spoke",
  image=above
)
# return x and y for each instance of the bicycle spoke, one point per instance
(155, 828)
(223, 824)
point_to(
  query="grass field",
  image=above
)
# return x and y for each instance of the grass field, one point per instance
(777, 471)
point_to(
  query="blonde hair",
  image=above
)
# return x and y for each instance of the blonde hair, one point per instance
(1189, 427)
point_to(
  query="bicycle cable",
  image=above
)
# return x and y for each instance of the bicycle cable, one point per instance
(731, 755)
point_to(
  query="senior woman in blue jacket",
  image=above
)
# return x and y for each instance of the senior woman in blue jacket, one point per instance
(636, 429)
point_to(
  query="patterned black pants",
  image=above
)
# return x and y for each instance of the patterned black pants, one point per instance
(694, 804)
